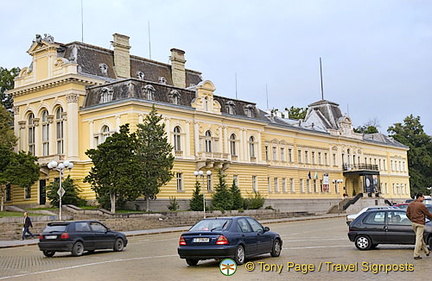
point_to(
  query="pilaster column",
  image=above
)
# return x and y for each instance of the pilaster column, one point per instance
(72, 126)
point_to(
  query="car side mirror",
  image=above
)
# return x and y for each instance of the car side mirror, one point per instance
(266, 229)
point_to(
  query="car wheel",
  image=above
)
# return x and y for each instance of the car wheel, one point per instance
(77, 249)
(277, 248)
(363, 242)
(239, 255)
(118, 245)
(49, 253)
(192, 262)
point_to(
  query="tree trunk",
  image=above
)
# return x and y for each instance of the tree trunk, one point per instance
(113, 201)
(147, 204)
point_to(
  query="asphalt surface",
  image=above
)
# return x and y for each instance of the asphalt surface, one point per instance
(34, 241)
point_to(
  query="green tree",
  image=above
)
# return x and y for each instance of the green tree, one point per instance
(221, 197)
(255, 201)
(154, 157)
(196, 203)
(7, 83)
(411, 134)
(371, 127)
(22, 170)
(7, 136)
(115, 168)
(237, 199)
(71, 195)
(296, 113)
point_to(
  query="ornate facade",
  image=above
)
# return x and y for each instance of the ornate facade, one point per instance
(73, 96)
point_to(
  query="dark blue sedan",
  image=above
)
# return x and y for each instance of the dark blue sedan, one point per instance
(228, 237)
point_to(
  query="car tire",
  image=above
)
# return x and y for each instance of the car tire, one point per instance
(78, 249)
(239, 257)
(277, 248)
(363, 242)
(49, 253)
(118, 245)
(192, 262)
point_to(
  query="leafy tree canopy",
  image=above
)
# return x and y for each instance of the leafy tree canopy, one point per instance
(296, 113)
(7, 83)
(115, 167)
(7, 136)
(71, 195)
(222, 199)
(370, 127)
(411, 134)
(22, 170)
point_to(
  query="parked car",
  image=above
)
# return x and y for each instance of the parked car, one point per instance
(403, 206)
(79, 236)
(350, 218)
(228, 237)
(385, 226)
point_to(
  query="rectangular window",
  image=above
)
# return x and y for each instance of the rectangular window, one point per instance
(28, 192)
(325, 159)
(308, 185)
(284, 186)
(254, 184)
(306, 157)
(302, 186)
(276, 185)
(282, 154)
(292, 187)
(313, 157)
(274, 154)
(290, 155)
(266, 153)
(209, 183)
(299, 158)
(236, 180)
(319, 158)
(268, 185)
(179, 182)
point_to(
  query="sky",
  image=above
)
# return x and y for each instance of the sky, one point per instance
(376, 54)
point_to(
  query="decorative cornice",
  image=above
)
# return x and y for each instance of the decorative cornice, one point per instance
(44, 85)
(72, 98)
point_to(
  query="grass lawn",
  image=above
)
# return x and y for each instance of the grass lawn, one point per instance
(16, 214)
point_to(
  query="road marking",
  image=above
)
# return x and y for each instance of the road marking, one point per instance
(83, 265)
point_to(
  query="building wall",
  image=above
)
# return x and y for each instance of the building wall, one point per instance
(287, 161)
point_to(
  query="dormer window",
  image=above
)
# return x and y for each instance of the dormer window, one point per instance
(249, 109)
(104, 69)
(140, 75)
(106, 95)
(174, 96)
(149, 92)
(162, 80)
(230, 106)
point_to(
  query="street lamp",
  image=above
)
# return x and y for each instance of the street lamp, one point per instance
(201, 174)
(60, 167)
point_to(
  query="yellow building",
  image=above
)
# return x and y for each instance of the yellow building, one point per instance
(73, 96)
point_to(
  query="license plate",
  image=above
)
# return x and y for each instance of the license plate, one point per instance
(51, 237)
(201, 240)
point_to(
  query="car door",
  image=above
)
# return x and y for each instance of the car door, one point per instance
(83, 231)
(374, 226)
(265, 241)
(104, 239)
(249, 237)
(399, 229)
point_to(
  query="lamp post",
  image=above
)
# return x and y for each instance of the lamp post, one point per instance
(60, 168)
(201, 174)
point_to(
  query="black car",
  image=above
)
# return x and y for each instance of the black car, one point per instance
(79, 236)
(228, 237)
(390, 226)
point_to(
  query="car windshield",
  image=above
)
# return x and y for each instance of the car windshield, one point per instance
(211, 225)
(55, 228)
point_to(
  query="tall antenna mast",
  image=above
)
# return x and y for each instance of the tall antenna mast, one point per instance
(267, 98)
(236, 84)
(321, 80)
(82, 22)
(149, 39)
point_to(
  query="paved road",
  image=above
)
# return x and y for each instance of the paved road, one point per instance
(313, 250)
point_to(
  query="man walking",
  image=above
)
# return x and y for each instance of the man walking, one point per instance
(417, 212)
(27, 225)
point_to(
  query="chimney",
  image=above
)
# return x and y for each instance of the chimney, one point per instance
(121, 55)
(178, 68)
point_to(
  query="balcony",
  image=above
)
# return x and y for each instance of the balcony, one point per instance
(359, 167)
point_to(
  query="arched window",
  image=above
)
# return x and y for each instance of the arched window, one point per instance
(177, 140)
(208, 141)
(59, 130)
(45, 133)
(105, 132)
(31, 133)
(252, 146)
(233, 145)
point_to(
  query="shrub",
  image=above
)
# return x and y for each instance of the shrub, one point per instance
(222, 197)
(256, 201)
(237, 199)
(196, 203)
(173, 205)
(70, 196)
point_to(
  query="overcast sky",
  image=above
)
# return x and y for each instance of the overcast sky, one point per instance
(377, 54)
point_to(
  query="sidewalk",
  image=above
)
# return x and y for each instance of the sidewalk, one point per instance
(34, 241)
